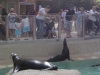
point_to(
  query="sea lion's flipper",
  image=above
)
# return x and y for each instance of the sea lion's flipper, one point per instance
(71, 60)
(16, 69)
(47, 69)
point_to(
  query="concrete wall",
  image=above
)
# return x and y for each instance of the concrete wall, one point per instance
(47, 48)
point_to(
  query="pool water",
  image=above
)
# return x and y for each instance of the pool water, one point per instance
(4, 71)
(82, 65)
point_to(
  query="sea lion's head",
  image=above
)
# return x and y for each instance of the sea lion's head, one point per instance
(14, 56)
(64, 42)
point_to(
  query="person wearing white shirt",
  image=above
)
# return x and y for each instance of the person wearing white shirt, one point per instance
(92, 19)
(79, 17)
(11, 22)
(40, 21)
(26, 26)
(18, 27)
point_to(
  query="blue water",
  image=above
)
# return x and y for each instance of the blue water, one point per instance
(82, 65)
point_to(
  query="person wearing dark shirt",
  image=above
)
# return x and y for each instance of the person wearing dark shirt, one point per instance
(69, 17)
(31, 13)
(49, 27)
(4, 14)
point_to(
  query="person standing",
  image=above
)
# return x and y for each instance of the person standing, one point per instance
(69, 17)
(2, 30)
(79, 17)
(31, 13)
(4, 14)
(11, 19)
(26, 26)
(40, 21)
(18, 27)
(92, 20)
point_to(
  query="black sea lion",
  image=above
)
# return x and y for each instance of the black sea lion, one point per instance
(63, 55)
(24, 64)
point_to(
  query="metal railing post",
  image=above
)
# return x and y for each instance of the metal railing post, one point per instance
(7, 30)
(83, 26)
(34, 28)
(99, 25)
(59, 28)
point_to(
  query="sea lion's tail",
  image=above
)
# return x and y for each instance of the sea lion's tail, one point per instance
(71, 60)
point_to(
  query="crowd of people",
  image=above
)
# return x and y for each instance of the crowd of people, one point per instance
(91, 20)
(16, 24)
(23, 24)
(45, 26)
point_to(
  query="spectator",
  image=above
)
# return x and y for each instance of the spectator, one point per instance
(51, 28)
(40, 21)
(26, 26)
(31, 13)
(92, 20)
(11, 18)
(2, 30)
(98, 20)
(69, 18)
(46, 27)
(18, 27)
(79, 18)
(78, 9)
(4, 14)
